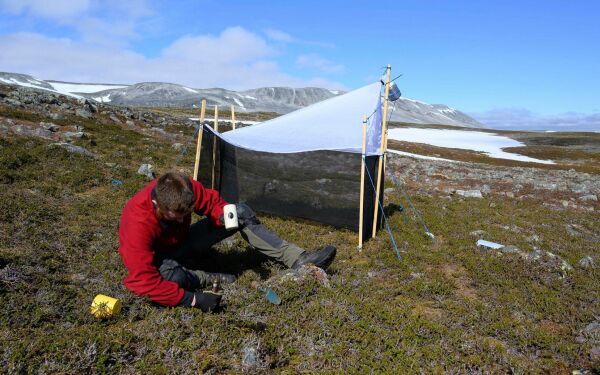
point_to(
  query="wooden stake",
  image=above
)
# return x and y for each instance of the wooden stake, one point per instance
(216, 126)
(383, 148)
(233, 116)
(362, 184)
(199, 143)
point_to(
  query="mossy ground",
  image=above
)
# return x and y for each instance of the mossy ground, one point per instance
(446, 306)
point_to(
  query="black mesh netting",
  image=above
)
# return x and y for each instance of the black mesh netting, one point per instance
(318, 185)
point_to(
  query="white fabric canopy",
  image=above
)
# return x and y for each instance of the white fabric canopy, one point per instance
(333, 124)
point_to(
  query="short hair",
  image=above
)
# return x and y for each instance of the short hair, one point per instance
(174, 192)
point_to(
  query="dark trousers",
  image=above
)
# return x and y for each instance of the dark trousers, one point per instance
(203, 235)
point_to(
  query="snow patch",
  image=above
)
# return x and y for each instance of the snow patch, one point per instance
(13, 81)
(189, 90)
(239, 103)
(417, 156)
(491, 144)
(103, 99)
(68, 88)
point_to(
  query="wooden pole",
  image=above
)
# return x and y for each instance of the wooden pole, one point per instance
(362, 184)
(216, 127)
(383, 148)
(199, 143)
(233, 116)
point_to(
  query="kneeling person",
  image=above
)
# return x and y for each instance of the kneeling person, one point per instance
(156, 237)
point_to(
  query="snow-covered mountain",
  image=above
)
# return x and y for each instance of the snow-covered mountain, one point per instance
(266, 99)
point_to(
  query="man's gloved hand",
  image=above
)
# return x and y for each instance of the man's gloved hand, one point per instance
(206, 301)
(246, 215)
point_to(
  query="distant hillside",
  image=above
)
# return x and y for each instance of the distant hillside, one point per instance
(266, 99)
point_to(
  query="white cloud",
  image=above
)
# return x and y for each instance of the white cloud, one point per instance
(104, 22)
(283, 37)
(234, 44)
(279, 36)
(523, 119)
(55, 9)
(235, 59)
(314, 61)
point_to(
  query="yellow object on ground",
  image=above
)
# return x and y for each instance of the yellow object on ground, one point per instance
(105, 306)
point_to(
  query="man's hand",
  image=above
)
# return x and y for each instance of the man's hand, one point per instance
(206, 301)
(246, 215)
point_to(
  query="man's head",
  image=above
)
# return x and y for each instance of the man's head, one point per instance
(174, 196)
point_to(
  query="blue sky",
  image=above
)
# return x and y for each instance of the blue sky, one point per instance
(541, 58)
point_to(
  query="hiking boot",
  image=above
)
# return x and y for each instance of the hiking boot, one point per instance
(321, 258)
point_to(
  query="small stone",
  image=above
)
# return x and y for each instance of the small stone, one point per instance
(510, 194)
(478, 233)
(147, 170)
(533, 238)
(565, 203)
(469, 193)
(114, 119)
(587, 198)
(587, 262)
(389, 190)
(485, 189)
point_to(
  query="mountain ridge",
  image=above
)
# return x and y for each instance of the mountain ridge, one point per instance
(264, 99)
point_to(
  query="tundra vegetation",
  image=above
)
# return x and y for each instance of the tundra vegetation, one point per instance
(446, 306)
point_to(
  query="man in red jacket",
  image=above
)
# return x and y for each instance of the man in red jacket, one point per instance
(155, 238)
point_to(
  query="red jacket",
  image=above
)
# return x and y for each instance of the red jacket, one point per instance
(141, 236)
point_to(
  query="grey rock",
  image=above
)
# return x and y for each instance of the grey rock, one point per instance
(181, 148)
(73, 135)
(32, 132)
(587, 262)
(589, 197)
(533, 238)
(93, 108)
(72, 148)
(535, 254)
(50, 126)
(147, 170)
(249, 356)
(510, 249)
(485, 189)
(469, 193)
(114, 119)
(81, 112)
(389, 190)
(478, 233)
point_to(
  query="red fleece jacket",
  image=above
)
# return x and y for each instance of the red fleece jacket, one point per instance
(141, 236)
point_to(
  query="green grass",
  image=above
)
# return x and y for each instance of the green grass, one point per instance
(445, 307)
